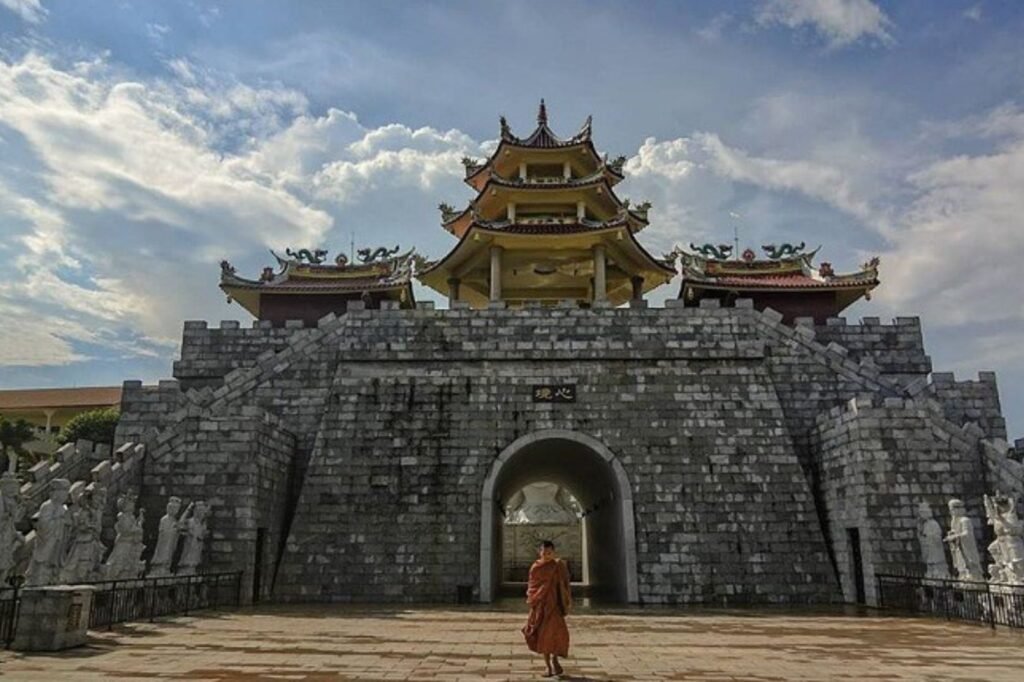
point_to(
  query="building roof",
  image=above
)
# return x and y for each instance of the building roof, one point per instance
(710, 267)
(543, 137)
(792, 281)
(303, 272)
(41, 398)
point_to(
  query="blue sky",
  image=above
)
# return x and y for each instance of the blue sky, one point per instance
(142, 142)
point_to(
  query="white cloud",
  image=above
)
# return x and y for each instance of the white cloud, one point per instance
(973, 12)
(840, 22)
(816, 180)
(138, 188)
(128, 208)
(157, 32)
(31, 11)
(957, 255)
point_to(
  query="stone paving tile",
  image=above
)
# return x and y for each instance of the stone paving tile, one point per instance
(425, 644)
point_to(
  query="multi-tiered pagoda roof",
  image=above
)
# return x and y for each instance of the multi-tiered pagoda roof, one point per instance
(545, 225)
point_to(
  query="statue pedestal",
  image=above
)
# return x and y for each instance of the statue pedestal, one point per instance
(53, 618)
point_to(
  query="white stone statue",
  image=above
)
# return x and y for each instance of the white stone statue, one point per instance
(171, 525)
(541, 503)
(195, 538)
(125, 560)
(11, 509)
(962, 544)
(86, 550)
(1008, 548)
(52, 523)
(933, 551)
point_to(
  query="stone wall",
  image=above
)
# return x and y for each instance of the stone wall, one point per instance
(146, 410)
(389, 420)
(239, 463)
(423, 401)
(897, 349)
(71, 461)
(209, 353)
(969, 401)
(879, 460)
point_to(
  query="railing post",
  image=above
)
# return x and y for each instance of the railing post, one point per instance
(991, 606)
(110, 604)
(15, 613)
(152, 599)
(238, 589)
(878, 591)
(188, 592)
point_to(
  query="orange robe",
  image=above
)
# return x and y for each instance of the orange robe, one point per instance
(548, 597)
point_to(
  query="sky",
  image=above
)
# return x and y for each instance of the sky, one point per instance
(143, 142)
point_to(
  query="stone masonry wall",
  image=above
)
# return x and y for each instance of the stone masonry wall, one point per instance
(239, 464)
(399, 414)
(970, 401)
(424, 401)
(897, 349)
(209, 353)
(146, 410)
(879, 461)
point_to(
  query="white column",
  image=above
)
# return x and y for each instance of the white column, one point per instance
(581, 210)
(511, 208)
(453, 291)
(522, 170)
(566, 170)
(600, 286)
(496, 273)
(49, 420)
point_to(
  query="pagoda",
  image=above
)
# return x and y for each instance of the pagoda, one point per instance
(785, 280)
(545, 226)
(305, 287)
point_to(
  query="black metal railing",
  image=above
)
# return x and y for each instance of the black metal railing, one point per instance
(975, 601)
(121, 601)
(10, 600)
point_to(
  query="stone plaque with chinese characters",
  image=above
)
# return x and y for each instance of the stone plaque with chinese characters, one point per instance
(548, 393)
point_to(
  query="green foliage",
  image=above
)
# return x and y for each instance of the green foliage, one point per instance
(13, 436)
(95, 425)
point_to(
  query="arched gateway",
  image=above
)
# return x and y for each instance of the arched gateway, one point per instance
(594, 475)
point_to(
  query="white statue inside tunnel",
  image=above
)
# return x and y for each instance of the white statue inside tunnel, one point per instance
(541, 511)
(542, 503)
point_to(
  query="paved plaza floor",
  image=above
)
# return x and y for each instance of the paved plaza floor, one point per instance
(312, 643)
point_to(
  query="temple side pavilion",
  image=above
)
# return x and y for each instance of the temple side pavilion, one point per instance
(786, 280)
(545, 225)
(307, 288)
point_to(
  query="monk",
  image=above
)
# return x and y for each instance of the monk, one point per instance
(548, 597)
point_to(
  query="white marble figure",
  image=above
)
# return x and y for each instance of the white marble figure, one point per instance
(52, 523)
(1008, 548)
(11, 508)
(86, 550)
(195, 538)
(933, 551)
(125, 561)
(540, 503)
(962, 544)
(171, 525)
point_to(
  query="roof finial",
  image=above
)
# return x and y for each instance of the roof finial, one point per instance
(542, 114)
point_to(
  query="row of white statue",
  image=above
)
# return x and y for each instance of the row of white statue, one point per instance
(67, 546)
(1007, 550)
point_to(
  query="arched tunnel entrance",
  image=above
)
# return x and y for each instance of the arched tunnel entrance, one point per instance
(593, 475)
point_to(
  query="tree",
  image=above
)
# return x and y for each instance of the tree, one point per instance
(95, 425)
(13, 436)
